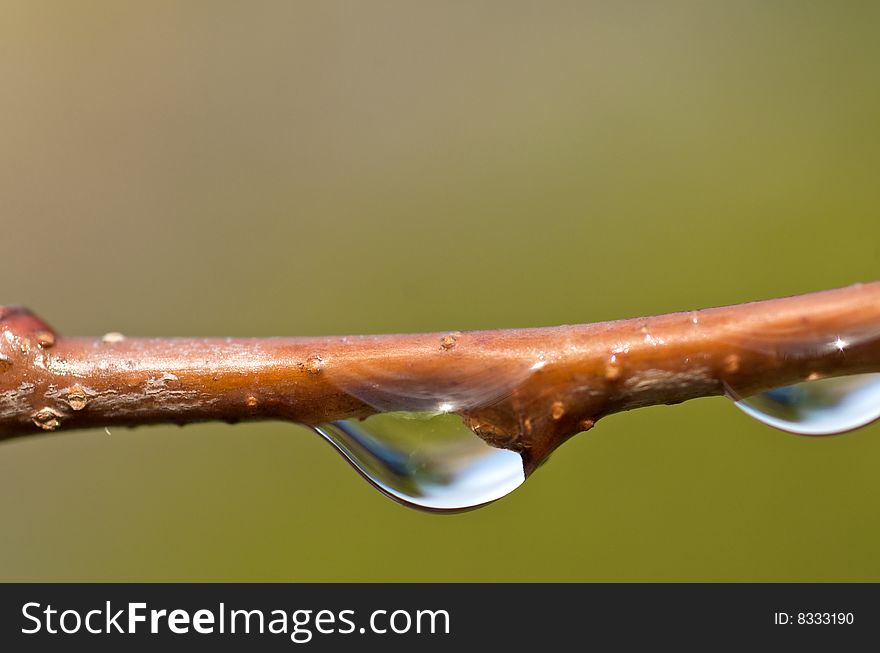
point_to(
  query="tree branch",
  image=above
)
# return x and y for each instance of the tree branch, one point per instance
(522, 389)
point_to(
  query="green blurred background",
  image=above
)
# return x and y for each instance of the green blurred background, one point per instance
(259, 168)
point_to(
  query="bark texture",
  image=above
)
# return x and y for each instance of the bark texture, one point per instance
(523, 389)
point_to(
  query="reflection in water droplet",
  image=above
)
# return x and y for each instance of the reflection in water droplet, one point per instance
(426, 459)
(820, 407)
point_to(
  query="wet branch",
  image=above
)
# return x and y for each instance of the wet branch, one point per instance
(523, 389)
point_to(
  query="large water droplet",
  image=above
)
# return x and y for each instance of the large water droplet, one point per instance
(819, 407)
(428, 460)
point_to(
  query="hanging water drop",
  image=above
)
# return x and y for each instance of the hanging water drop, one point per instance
(820, 406)
(428, 460)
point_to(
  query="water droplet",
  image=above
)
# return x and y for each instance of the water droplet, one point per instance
(465, 385)
(820, 406)
(428, 460)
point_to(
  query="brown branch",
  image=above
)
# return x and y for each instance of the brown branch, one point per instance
(523, 389)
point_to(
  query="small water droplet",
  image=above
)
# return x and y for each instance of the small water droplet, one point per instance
(427, 460)
(819, 406)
